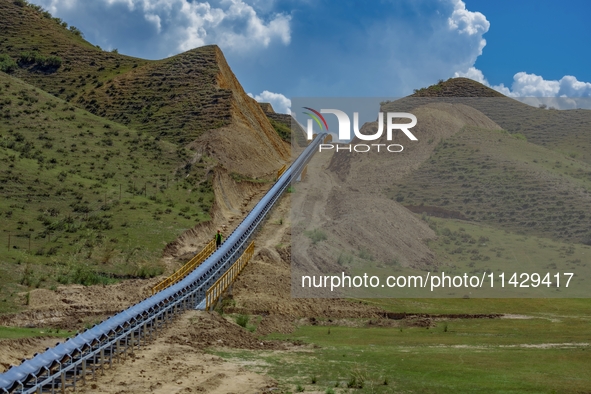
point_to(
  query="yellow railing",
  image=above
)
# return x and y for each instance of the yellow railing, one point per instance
(281, 170)
(218, 288)
(185, 269)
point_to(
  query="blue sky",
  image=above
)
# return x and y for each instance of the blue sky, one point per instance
(542, 37)
(288, 48)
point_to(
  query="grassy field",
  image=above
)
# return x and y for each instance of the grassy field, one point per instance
(549, 352)
(85, 199)
(18, 332)
(473, 248)
(542, 345)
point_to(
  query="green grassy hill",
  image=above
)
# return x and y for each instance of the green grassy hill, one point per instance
(176, 98)
(456, 87)
(108, 158)
(495, 178)
(29, 35)
(533, 177)
(84, 198)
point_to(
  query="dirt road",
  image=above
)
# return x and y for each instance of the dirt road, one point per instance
(176, 362)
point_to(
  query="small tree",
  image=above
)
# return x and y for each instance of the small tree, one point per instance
(76, 31)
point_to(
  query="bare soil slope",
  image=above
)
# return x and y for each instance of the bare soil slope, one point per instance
(264, 287)
(345, 197)
(72, 307)
(437, 121)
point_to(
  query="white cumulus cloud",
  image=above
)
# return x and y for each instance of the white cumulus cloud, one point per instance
(204, 24)
(155, 19)
(408, 51)
(468, 22)
(532, 85)
(474, 74)
(280, 103)
(565, 93)
(179, 25)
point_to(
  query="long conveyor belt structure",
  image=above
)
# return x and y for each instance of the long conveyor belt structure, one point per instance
(72, 362)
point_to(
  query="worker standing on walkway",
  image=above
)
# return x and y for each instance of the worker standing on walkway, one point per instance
(218, 239)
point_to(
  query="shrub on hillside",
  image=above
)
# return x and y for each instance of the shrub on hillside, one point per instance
(520, 136)
(7, 64)
(316, 235)
(35, 7)
(242, 320)
(34, 57)
(29, 57)
(60, 22)
(53, 62)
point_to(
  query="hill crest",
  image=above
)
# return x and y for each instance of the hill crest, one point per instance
(457, 87)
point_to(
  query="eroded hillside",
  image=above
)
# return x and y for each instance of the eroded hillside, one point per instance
(351, 206)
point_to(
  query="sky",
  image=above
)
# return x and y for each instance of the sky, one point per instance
(281, 49)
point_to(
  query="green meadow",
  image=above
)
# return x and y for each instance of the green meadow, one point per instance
(540, 345)
(543, 348)
(19, 332)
